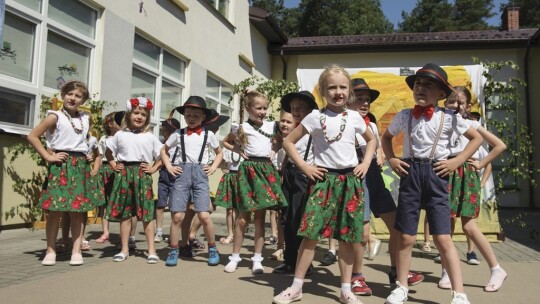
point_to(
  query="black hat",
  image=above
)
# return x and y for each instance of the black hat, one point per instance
(171, 124)
(119, 116)
(304, 95)
(359, 84)
(195, 102)
(215, 120)
(434, 72)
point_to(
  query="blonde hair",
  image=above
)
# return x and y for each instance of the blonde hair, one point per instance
(247, 98)
(330, 70)
(127, 121)
(109, 118)
(468, 95)
(72, 85)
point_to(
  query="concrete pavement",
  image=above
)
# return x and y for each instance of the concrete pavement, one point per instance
(100, 280)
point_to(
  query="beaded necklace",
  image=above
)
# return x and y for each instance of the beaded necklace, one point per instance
(258, 129)
(342, 125)
(77, 130)
(232, 157)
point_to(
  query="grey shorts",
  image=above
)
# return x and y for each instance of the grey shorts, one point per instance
(191, 186)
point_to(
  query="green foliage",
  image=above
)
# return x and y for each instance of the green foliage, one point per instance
(502, 96)
(442, 15)
(273, 89)
(529, 12)
(30, 188)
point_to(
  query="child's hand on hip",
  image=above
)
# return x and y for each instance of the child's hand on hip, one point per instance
(208, 170)
(399, 166)
(313, 172)
(445, 167)
(59, 157)
(174, 171)
(361, 170)
(147, 168)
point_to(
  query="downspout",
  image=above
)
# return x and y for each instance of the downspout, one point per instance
(528, 116)
(284, 76)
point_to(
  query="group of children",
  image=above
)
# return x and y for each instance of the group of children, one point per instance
(319, 168)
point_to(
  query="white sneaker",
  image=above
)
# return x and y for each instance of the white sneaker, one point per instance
(444, 282)
(288, 296)
(398, 295)
(459, 298)
(158, 238)
(231, 266)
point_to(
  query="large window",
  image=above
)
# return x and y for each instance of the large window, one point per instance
(45, 43)
(158, 75)
(218, 97)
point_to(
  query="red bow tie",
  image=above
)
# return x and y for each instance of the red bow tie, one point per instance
(197, 130)
(426, 111)
(367, 120)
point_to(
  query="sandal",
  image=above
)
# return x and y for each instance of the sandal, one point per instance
(271, 240)
(277, 255)
(196, 244)
(426, 247)
(102, 239)
(120, 257)
(226, 240)
(85, 246)
(152, 259)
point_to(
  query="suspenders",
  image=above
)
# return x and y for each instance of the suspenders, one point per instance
(307, 148)
(411, 153)
(183, 146)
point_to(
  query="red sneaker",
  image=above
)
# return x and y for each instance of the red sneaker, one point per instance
(359, 286)
(414, 278)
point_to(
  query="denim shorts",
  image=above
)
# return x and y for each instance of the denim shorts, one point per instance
(191, 186)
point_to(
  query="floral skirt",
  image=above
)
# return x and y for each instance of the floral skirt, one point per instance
(227, 194)
(67, 187)
(259, 186)
(335, 208)
(131, 195)
(464, 192)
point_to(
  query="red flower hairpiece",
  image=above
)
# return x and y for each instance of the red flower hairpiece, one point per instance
(139, 102)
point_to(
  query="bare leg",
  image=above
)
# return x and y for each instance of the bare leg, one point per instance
(51, 230)
(76, 221)
(208, 226)
(306, 252)
(149, 230)
(474, 234)
(176, 223)
(404, 257)
(125, 228)
(451, 260)
(258, 220)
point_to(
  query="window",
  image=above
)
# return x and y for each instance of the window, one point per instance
(218, 96)
(222, 6)
(158, 75)
(45, 44)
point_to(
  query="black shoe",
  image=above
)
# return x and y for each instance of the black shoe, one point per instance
(328, 259)
(283, 269)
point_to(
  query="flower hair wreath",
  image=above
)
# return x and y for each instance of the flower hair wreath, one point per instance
(139, 102)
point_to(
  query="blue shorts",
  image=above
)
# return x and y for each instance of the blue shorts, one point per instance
(382, 199)
(165, 187)
(191, 186)
(422, 187)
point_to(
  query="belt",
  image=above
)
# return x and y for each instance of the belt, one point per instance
(345, 171)
(421, 160)
(71, 153)
(259, 159)
(131, 163)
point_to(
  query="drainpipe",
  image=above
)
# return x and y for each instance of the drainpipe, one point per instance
(284, 76)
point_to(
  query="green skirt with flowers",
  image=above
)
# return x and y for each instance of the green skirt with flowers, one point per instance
(227, 194)
(67, 187)
(131, 195)
(335, 208)
(464, 192)
(259, 185)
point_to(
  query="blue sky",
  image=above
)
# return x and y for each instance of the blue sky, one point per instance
(392, 9)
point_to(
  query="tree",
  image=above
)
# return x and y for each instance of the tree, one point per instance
(287, 18)
(529, 12)
(441, 16)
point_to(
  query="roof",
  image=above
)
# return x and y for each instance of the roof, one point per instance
(265, 23)
(399, 42)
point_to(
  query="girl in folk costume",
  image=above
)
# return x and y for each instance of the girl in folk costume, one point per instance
(65, 188)
(335, 207)
(111, 125)
(227, 194)
(259, 182)
(129, 153)
(465, 189)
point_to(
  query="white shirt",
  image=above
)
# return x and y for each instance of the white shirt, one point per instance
(64, 137)
(301, 146)
(362, 142)
(258, 145)
(193, 144)
(458, 143)
(92, 144)
(134, 147)
(424, 132)
(233, 159)
(278, 159)
(339, 154)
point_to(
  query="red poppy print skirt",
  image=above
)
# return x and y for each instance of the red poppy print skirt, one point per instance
(259, 185)
(335, 208)
(227, 194)
(131, 195)
(67, 187)
(464, 192)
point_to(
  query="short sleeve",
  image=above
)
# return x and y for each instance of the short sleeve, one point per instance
(461, 126)
(310, 121)
(172, 141)
(157, 148)
(358, 123)
(398, 123)
(112, 143)
(213, 141)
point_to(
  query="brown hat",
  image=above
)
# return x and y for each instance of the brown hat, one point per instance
(434, 72)
(215, 120)
(195, 102)
(359, 84)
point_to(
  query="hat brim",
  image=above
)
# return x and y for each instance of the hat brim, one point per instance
(216, 123)
(286, 101)
(444, 86)
(373, 94)
(182, 109)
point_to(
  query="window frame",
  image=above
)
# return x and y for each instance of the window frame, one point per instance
(227, 103)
